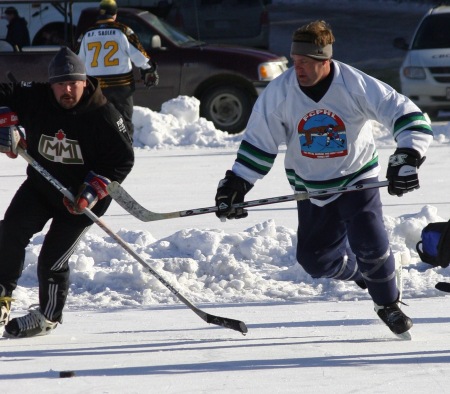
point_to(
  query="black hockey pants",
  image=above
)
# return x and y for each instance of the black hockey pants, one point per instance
(27, 215)
(122, 99)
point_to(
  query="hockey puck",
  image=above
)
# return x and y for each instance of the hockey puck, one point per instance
(67, 374)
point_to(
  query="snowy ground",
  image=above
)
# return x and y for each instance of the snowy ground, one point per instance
(124, 332)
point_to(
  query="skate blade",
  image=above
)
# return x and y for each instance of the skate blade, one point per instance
(405, 336)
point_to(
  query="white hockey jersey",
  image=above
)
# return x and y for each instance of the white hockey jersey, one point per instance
(108, 50)
(330, 143)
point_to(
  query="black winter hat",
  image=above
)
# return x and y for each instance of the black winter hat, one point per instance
(107, 9)
(66, 66)
(11, 11)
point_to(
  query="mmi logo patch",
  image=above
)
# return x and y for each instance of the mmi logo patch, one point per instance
(59, 149)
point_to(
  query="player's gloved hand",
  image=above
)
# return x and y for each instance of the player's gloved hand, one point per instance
(150, 75)
(92, 190)
(231, 190)
(402, 171)
(12, 136)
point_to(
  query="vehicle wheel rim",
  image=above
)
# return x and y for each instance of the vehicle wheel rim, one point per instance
(226, 109)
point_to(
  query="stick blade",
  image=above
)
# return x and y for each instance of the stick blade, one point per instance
(130, 205)
(232, 324)
(123, 198)
(443, 286)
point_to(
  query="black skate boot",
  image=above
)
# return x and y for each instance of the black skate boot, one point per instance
(395, 319)
(33, 324)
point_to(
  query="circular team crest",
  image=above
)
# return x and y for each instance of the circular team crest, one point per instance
(322, 135)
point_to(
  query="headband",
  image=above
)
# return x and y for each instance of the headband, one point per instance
(312, 50)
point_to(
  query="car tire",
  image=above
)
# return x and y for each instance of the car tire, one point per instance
(52, 34)
(227, 107)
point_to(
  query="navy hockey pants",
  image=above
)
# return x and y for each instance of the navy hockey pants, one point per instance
(27, 215)
(347, 240)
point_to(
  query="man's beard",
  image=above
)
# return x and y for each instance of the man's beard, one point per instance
(67, 101)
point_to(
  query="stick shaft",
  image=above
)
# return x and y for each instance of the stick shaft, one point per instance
(225, 322)
(124, 199)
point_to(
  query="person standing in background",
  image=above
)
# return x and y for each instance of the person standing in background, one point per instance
(109, 49)
(18, 35)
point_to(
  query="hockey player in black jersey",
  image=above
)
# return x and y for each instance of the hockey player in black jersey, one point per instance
(80, 139)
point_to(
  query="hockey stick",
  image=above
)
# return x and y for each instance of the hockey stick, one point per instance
(220, 321)
(121, 196)
(11, 77)
(443, 286)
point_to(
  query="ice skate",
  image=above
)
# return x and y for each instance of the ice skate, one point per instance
(33, 324)
(395, 319)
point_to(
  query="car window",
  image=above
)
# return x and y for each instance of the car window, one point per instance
(145, 35)
(243, 22)
(230, 2)
(434, 32)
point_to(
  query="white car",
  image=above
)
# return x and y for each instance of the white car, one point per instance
(425, 72)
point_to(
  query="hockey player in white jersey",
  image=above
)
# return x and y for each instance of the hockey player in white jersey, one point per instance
(342, 237)
(108, 50)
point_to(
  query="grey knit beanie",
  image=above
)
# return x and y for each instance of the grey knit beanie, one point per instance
(66, 66)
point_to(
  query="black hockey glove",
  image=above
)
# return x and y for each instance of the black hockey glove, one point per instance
(402, 171)
(12, 136)
(150, 75)
(231, 190)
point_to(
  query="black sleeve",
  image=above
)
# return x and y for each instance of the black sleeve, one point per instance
(24, 99)
(115, 154)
